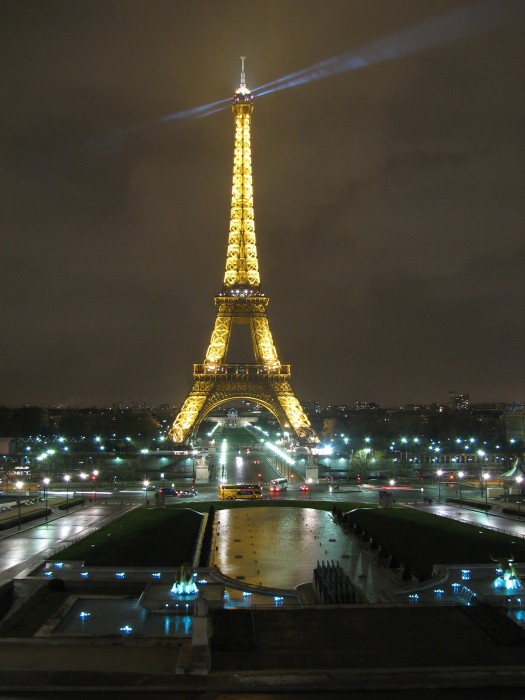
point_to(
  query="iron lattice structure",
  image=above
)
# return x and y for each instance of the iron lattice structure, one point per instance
(266, 381)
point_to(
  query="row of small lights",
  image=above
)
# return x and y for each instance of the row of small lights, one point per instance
(486, 476)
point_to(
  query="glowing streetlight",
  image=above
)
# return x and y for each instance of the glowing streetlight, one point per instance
(145, 484)
(519, 479)
(460, 477)
(486, 477)
(83, 476)
(19, 485)
(66, 479)
(367, 451)
(481, 455)
(94, 477)
(439, 475)
(46, 481)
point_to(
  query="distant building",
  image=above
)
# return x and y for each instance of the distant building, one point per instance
(311, 407)
(366, 406)
(514, 417)
(7, 446)
(458, 402)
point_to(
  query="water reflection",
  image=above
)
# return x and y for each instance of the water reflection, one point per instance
(281, 547)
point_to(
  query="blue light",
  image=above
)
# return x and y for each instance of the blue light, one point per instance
(120, 574)
(83, 615)
(48, 573)
(84, 574)
(59, 565)
(465, 574)
(126, 629)
(155, 575)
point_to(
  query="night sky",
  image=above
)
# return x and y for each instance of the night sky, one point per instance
(389, 195)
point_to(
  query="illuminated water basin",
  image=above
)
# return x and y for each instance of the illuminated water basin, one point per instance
(119, 617)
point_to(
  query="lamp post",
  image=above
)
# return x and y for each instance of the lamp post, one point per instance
(66, 479)
(46, 481)
(439, 475)
(83, 476)
(95, 474)
(367, 451)
(486, 477)
(519, 479)
(19, 485)
(146, 484)
(481, 454)
(460, 477)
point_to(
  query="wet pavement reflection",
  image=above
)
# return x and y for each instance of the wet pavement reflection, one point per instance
(280, 547)
(19, 550)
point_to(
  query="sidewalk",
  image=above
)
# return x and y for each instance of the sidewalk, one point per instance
(493, 519)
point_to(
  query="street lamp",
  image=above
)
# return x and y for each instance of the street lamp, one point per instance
(95, 474)
(46, 481)
(19, 485)
(460, 477)
(439, 475)
(66, 479)
(519, 479)
(481, 454)
(367, 451)
(146, 484)
(486, 477)
(83, 476)
(193, 470)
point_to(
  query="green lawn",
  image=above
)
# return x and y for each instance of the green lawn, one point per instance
(144, 537)
(420, 540)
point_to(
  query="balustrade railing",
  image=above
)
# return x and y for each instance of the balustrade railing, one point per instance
(239, 370)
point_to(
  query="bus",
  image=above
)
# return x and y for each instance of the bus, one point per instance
(232, 491)
(278, 484)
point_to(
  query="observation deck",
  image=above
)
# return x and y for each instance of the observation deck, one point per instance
(240, 371)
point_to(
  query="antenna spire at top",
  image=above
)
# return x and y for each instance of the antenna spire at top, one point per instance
(243, 76)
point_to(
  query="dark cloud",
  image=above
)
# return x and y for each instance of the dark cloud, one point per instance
(388, 200)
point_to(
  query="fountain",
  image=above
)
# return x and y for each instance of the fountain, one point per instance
(179, 597)
(184, 583)
(507, 577)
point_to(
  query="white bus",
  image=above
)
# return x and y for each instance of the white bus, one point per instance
(278, 484)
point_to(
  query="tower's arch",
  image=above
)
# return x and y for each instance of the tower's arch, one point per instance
(281, 419)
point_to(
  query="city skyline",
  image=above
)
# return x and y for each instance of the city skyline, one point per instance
(388, 188)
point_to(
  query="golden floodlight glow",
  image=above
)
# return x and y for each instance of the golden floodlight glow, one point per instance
(241, 301)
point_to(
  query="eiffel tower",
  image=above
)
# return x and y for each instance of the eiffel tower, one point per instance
(266, 381)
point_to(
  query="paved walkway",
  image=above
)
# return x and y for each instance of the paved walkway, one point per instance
(21, 549)
(494, 519)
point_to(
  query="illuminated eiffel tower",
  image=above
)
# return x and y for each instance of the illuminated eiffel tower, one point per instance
(266, 381)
